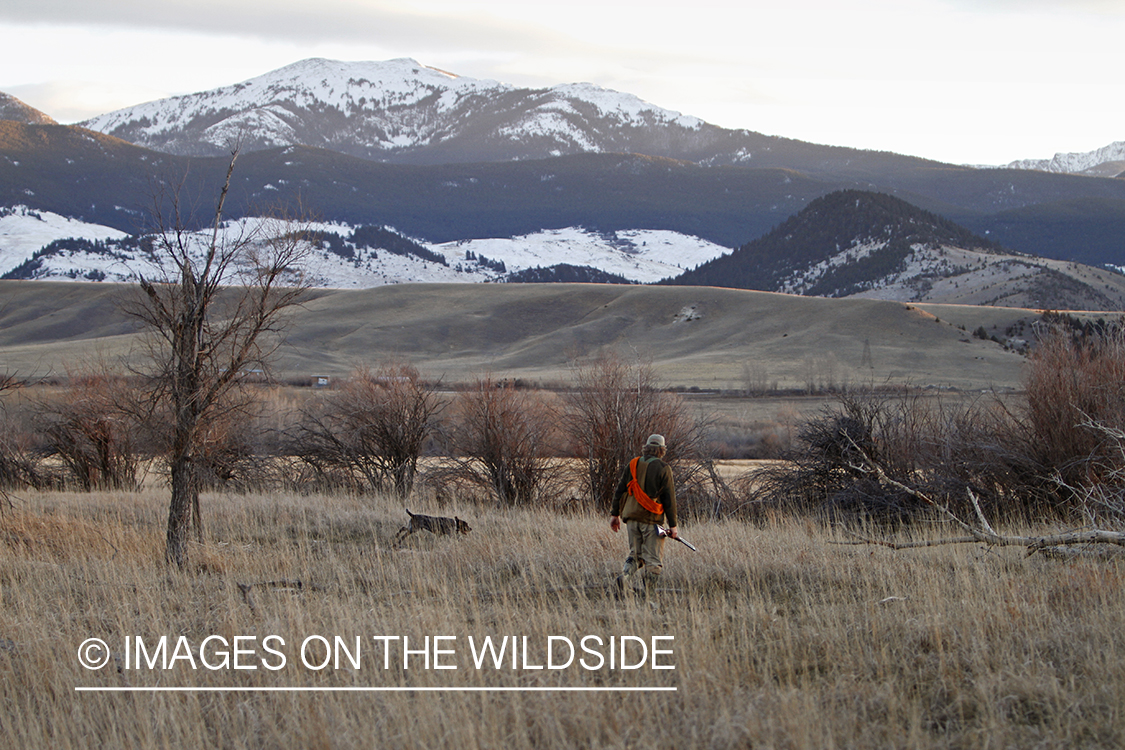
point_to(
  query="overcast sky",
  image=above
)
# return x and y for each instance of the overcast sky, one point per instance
(964, 81)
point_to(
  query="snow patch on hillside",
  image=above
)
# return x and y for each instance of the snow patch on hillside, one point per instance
(801, 281)
(641, 255)
(629, 108)
(24, 231)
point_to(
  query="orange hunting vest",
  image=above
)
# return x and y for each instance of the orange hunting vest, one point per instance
(638, 492)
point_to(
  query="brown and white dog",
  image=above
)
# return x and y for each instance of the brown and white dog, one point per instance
(433, 524)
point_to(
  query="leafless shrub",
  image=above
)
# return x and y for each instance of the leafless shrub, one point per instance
(943, 448)
(89, 427)
(504, 440)
(820, 473)
(369, 434)
(1059, 457)
(1102, 504)
(232, 456)
(614, 407)
(19, 466)
(1075, 387)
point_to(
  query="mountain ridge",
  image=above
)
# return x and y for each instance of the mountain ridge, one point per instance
(402, 111)
(13, 109)
(443, 158)
(1107, 161)
(44, 246)
(387, 111)
(107, 181)
(871, 245)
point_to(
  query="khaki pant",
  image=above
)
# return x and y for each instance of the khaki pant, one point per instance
(646, 547)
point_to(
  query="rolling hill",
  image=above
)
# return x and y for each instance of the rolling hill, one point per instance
(695, 336)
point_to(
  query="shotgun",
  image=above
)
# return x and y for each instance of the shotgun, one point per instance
(663, 532)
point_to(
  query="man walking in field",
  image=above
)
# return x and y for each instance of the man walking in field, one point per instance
(645, 498)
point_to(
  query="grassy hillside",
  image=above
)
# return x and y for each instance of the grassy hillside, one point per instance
(1092, 226)
(695, 336)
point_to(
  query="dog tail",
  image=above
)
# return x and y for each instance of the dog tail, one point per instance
(409, 513)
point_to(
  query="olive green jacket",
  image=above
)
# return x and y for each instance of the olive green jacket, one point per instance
(655, 478)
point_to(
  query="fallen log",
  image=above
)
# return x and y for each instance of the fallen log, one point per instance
(1052, 545)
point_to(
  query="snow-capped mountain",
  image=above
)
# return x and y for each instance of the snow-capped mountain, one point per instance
(42, 245)
(1108, 161)
(444, 158)
(401, 110)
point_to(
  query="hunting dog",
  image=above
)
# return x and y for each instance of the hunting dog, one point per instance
(432, 524)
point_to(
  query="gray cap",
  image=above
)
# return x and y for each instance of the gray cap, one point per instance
(657, 440)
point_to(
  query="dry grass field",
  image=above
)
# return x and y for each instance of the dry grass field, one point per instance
(782, 637)
(299, 621)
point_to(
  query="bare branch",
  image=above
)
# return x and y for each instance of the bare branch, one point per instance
(985, 533)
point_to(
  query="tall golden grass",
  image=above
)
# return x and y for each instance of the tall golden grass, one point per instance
(782, 637)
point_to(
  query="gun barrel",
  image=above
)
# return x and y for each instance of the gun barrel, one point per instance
(664, 532)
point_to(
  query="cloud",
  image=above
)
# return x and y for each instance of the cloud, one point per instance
(74, 101)
(290, 21)
(1107, 7)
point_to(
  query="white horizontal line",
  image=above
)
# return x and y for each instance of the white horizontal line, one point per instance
(374, 689)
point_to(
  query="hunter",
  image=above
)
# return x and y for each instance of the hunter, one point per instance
(648, 494)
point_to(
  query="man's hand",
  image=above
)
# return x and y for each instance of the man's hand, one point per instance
(674, 534)
(615, 523)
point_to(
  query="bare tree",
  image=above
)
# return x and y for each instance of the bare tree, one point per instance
(372, 430)
(615, 405)
(755, 378)
(213, 318)
(503, 440)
